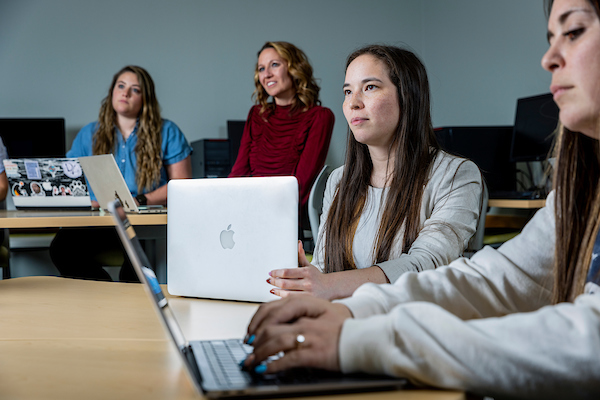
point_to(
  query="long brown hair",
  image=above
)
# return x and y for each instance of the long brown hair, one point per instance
(577, 207)
(301, 72)
(148, 149)
(414, 148)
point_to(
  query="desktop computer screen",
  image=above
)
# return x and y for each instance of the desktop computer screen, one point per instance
(486, 146)
(536, 119)
(33, 137)
(235, 130)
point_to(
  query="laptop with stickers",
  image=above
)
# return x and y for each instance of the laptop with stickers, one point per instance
(47, 183)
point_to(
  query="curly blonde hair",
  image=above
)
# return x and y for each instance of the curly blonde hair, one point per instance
(301, 72)
(148, 148)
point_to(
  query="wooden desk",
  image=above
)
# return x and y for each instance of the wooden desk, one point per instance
(73, 339)
(512, 221)
(148, 226)
(512, 203)
(60, 219)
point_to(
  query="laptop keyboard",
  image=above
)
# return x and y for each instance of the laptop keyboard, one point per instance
(225, 357)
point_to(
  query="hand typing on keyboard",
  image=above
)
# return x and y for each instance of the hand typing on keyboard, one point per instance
(304, 329)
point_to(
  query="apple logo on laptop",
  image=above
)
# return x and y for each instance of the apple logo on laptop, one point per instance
(227, 238)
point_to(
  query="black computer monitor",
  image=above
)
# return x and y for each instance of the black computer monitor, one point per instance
(33, 137)
(536, 119)
(486, 146)
(235, 130)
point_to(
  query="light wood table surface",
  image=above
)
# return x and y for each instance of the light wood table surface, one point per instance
(60, 219)
(513, 203)
(74, 339)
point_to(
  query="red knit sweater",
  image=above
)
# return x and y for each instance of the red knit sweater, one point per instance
(278, 143)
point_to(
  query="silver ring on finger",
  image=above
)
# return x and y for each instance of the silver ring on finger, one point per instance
(300, 341)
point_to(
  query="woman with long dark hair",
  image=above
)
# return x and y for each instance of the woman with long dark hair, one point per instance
(399, 203)
(522, 321)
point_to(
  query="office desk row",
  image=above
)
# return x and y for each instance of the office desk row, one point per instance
(72, 339)
(18, 219)
(151, 227)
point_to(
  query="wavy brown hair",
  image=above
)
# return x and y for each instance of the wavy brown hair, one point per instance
(577, 207)
(412, 152)
(301, 72)
(148, 148)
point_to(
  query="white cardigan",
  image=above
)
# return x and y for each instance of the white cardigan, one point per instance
(452, 197)
(483, 325)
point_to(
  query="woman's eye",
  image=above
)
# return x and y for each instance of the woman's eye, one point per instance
(261, 69)
(347, 92)
(370, 87)
(574, 34)
(136, 91)
(121, 86)
(275, 64)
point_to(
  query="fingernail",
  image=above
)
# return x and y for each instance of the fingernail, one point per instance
(242, 363)
(272, 292)
(269, 281)
(251, 339)
(270, 273)
(260, 369)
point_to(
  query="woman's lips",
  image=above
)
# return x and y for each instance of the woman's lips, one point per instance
(357, 121)
(558, 90)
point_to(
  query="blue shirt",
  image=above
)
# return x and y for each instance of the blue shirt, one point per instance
(3, 155)
(174, 149)
(594, 271)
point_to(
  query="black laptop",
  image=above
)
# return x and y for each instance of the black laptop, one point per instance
(214, 366)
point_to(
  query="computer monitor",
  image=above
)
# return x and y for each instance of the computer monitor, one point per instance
(210, 158)
(486, 146)
(536, 119)
(33, 137)
(235, 130)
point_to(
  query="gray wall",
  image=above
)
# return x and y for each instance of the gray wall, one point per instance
(57, 57)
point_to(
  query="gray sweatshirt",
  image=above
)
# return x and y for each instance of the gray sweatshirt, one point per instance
(484, 325)
(452, 198)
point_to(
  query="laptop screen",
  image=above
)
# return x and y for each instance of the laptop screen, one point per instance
(141, 265)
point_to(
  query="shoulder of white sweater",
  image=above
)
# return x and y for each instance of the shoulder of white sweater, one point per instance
(447, 166)
(443, 162)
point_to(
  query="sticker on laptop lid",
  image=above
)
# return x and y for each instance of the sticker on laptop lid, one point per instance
(11, 168)
(72, 169)
(32, 169)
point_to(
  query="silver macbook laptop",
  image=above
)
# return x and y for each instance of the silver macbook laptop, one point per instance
(55, 183)
(214, 366)
(108, 184)
(225, 234)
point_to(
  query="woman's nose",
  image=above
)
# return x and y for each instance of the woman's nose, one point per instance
(355, 101)
(552, 59)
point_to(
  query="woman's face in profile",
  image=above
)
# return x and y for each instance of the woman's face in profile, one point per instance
(371, 104)
(127, 95)
(574, 61)
(274, 77)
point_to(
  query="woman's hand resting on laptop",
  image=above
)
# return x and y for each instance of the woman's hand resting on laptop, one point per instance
(307, 279)
(305, 328)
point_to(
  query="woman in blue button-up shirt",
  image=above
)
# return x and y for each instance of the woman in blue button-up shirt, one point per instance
(149, 151)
